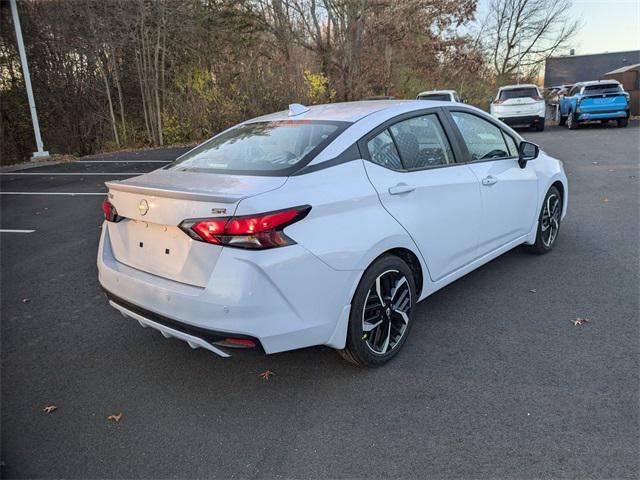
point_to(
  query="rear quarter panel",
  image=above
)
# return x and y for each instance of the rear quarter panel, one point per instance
(347, 227)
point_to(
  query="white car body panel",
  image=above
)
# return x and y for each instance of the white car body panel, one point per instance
(443, 196)
(300, 295)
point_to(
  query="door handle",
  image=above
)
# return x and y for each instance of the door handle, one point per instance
(401, 188)
(490, 180)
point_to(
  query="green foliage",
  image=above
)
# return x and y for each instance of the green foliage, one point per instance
(318, 90)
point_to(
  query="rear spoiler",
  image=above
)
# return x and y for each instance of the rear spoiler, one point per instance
(164, 191)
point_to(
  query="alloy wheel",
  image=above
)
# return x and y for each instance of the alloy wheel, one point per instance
(386, 312)
(550, 220)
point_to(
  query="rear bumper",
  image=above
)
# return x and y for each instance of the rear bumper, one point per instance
(283, 298)
(607, 115)
(522, 120)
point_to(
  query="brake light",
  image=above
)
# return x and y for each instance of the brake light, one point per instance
(537, 98)
(498, 102)
(110, 212)
(257, 232)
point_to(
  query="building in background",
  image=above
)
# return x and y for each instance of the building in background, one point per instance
(580, 68)
(629, 77)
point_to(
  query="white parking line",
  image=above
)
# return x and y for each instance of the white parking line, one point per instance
(123, 161)
(53, 193)
(70, 173)
(6, 230)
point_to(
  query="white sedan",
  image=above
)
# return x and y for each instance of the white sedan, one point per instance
(324, 225)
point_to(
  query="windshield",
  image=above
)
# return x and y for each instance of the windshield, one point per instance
(261, 147)
(435, 96)
(519, 93)
(602, 88)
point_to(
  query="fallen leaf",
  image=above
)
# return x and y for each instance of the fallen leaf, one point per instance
(25, 300)
(580, 321)
(533, 290)
(49, 409)
(115, 417)
(267, 374)
(605, 200)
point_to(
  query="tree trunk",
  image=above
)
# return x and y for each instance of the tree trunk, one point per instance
(111, 113)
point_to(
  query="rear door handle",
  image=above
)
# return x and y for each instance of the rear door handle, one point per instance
(490, 180)
(401, 188)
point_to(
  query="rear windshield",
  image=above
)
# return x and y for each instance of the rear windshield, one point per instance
(606, 88)
(435, 96)
(261, 147)
(518, 93)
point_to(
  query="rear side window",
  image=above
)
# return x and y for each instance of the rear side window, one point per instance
(523, 92)
(383, 151)
(261, 147)
(422, 142)
(483, 139)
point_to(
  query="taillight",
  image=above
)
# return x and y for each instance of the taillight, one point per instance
(498, 102)
(537, 98)
(110, 212)
(257, 232)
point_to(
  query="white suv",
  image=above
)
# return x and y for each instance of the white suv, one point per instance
(520, 105)
(440, 95)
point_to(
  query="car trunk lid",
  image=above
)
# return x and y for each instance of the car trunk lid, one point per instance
(148, 237)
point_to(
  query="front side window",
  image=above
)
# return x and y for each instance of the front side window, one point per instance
(483, 139)
(511, 144)
(422, 143)
(261, 147)
(383, 151)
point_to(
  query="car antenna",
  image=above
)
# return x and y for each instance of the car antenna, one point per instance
(296, 109)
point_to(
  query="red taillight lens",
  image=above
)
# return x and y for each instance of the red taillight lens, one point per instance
(498, 102)
(537, 98)
(110, 212)
(257, 232)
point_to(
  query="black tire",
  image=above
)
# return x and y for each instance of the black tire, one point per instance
(623, 122)
(367, 348)
(540, 126)
(572, 122)
(542, 244)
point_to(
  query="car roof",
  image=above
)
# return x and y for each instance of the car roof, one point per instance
(427, 92)
(348, 111)
(599, 82)
(522, 85)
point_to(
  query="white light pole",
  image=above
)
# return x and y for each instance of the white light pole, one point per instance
(41, 153)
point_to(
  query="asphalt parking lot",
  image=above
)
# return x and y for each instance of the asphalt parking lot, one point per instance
(495, 380)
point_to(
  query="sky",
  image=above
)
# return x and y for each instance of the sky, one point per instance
(607, 25)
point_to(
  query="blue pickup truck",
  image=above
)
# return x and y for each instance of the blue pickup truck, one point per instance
(598, 100)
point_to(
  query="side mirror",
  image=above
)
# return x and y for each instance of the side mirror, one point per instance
(527, 151)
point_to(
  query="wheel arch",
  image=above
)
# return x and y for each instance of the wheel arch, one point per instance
(412, 260)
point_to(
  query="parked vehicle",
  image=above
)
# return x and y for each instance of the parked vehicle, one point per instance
(440, 95)
(602, 100)
(324, 225)
(381, 97)
(519, 105)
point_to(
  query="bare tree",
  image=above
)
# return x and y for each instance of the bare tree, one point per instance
(519, 35)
